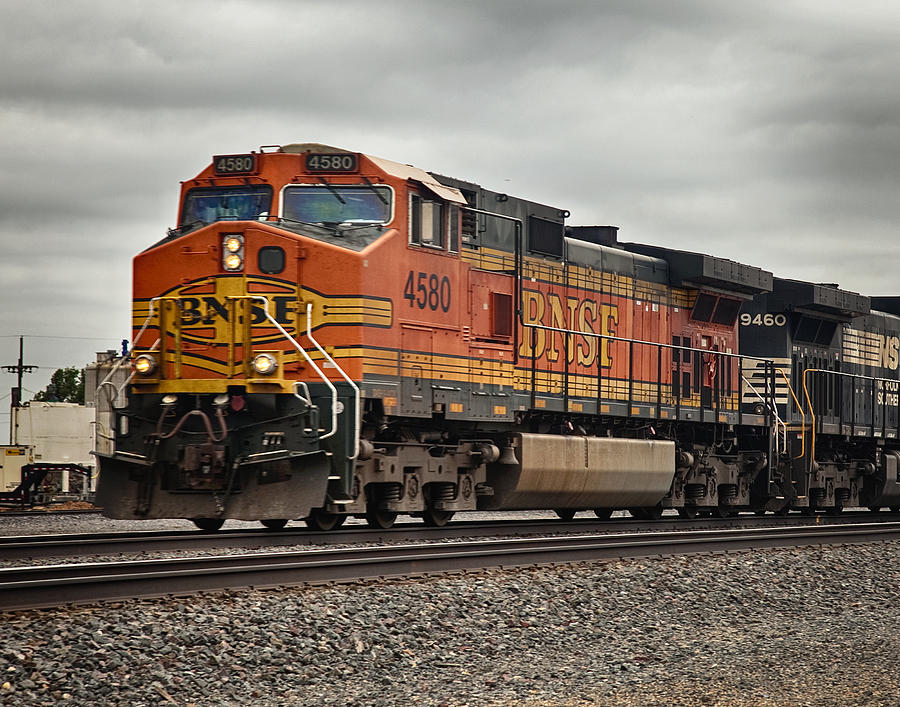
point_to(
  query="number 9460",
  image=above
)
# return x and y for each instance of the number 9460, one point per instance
(767, 319)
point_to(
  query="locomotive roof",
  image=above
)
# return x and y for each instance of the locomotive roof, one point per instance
(689, 269)
(395, 169)
(891, 305)
(824, 298)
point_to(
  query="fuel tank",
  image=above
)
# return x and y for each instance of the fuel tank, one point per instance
(555, 471)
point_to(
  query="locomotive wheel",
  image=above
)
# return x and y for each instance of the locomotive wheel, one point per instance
(603, 513)
(895, 509)
(808, 510)
(565, 513)
(874, 509)
(379, 519)
(647, 512)
(759, 512)
(274, 523)
(835, 510)
(436, 519)
(208, 524)
(323, 520)
(688, 512)
(723, 512)
(654, 512)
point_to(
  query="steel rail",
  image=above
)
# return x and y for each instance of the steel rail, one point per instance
(32, 547)
(91, 583)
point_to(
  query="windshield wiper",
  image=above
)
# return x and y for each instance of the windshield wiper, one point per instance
(346, 226)
(333, 191)
(335, 228)
(377, 193)
(185, 227)
(329, 226)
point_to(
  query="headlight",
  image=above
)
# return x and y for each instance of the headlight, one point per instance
(233, 243)
(264, 364)
(233, 251)
(233, 261)
(144, 365)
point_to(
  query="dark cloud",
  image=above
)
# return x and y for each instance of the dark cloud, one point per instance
(763, 131)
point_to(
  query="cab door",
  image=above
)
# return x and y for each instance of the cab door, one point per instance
(491, 352)
(683, 363)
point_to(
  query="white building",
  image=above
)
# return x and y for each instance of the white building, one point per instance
(51, 433)
(67, 433)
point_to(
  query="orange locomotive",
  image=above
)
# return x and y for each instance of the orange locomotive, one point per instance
(328, 334)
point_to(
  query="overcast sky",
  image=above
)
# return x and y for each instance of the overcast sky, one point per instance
(763, 131)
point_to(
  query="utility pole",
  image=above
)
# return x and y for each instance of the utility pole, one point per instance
(16, 396)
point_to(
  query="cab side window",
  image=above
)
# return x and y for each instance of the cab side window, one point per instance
(427, 222)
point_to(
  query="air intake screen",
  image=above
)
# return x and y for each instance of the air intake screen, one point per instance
(545, 237)
(807, 328)
(703, 307)
(726, 311)
(826, 333)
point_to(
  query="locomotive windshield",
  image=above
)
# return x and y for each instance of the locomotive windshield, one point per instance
(209, 204)
(333, 204)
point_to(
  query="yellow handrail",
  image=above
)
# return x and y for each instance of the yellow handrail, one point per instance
(802, 413)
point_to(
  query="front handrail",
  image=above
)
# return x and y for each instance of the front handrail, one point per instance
(779, 423)
(107, 380)
(309, 360)
(356, 426)
(324, 378)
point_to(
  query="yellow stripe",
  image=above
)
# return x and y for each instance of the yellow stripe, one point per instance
(579, 276)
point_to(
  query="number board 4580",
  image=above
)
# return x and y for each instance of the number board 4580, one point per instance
(766, 319)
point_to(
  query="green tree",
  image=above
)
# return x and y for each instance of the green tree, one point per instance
(66, 386)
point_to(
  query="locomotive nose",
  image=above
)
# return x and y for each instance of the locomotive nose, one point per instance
(236, 322)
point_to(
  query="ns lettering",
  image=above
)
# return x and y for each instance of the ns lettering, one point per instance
(889, 350)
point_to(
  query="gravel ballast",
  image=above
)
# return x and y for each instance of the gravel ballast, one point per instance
(812, 626)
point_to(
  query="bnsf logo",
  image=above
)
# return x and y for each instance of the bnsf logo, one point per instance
(208, 309)
(585, 315)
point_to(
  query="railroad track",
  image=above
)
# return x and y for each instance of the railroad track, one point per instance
(49, 511)
(32, 547)
(54, 585)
